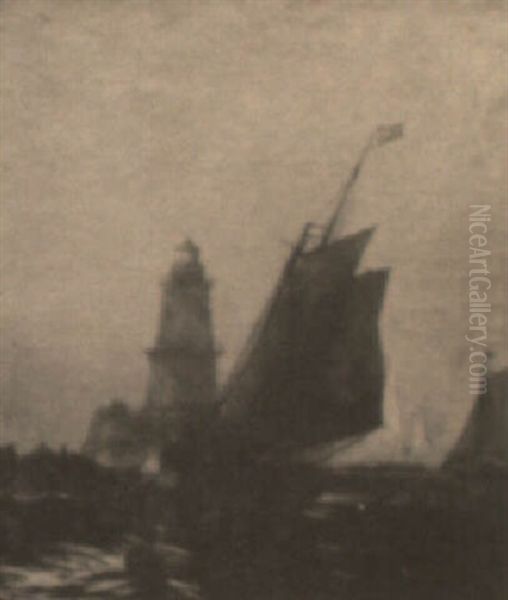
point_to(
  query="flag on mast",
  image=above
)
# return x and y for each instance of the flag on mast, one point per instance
(382, 135)
(388, 133)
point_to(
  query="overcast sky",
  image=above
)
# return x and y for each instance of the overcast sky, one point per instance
(127, 124)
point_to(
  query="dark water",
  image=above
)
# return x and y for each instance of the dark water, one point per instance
(69, 571)
(372, 534)
(367, 536)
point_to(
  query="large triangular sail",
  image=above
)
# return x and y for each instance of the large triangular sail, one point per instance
(313, 367)
(302, 371)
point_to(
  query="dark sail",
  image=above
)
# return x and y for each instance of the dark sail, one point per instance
(313, 369)
(484, 440)
(360, 383)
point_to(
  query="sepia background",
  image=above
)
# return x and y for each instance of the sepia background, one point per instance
(127, 124)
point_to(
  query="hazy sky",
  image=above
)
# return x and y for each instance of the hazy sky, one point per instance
(129, 123)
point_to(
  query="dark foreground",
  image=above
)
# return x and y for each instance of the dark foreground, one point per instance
(371, 534)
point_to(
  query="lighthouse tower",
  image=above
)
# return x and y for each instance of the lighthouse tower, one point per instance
(182, 384)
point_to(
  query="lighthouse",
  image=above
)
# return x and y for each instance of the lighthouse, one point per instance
(182, 382)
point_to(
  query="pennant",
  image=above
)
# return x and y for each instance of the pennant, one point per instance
(388, 133)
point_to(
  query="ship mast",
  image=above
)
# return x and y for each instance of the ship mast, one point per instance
(383, 134)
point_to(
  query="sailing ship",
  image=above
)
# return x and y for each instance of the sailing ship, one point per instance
(483, 443)
(312, 370)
